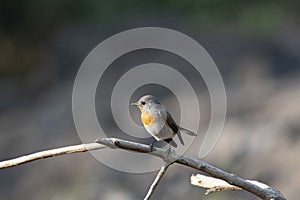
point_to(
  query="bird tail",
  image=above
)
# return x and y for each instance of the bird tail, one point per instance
(171, 142)
(187, 131)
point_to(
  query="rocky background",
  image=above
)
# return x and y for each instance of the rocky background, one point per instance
(255, 45)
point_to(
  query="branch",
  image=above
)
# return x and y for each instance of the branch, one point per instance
(168, 156)
(51, 153)
(215, 184)
(160, 174)
(266, 194)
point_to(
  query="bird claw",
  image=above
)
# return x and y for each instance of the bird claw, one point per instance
(151, 146)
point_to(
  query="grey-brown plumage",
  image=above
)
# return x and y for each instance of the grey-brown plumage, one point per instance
(158, 121)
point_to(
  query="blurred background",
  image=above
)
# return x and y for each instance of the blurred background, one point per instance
(255, 45)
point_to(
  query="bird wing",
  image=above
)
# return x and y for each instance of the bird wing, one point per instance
(172, 124)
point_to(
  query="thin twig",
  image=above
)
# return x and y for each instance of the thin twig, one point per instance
(160, 174)
(51, 153)
(267, 194)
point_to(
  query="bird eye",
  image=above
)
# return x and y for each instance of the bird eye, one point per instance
(143, 102)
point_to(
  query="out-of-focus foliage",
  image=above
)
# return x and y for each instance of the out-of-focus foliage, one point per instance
(43, 15)
(25, 24)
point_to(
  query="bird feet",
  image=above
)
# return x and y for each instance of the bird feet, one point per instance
(152, 145)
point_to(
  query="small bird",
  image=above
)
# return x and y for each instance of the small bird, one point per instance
(158, 121)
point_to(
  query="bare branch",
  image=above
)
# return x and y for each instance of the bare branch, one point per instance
(160, 174)
(215, 184)
(267, 194)
(51, 153)
(171, 156)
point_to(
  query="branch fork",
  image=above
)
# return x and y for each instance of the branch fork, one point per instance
(170, 157)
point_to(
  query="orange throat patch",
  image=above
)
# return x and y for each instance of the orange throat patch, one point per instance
(147, 118)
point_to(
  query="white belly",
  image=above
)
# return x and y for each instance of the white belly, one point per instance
(160, 131)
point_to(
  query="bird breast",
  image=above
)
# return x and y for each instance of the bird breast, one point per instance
(147, 118)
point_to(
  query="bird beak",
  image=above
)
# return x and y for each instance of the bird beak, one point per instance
(135, 104)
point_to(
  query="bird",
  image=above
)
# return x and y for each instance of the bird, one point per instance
(158, 122)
